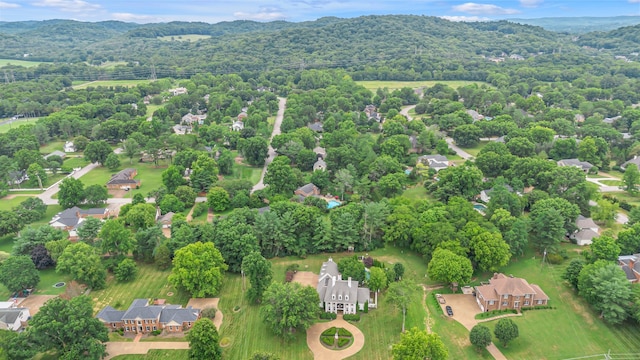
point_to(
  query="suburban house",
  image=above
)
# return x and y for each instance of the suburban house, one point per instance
(69, 147)
(17, 177)
(320, 165)
(371, 112)
(635, 160)
(123, 180)
(316, 126)
(307, 190)
(191, 119)
(630, 264)
(180, 129)
(71, 219)
(178, 91)
(587, 230)
(485, 195)
(237, 125)
(142, 317)
(337, 294)
(166, 219)
(55, 153)
(582, 165)
(508, 292)
(436, 162)
(475, 115)
(243, 115)
(14, 318)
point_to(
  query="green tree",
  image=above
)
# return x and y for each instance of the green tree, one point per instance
(204, 341)
(480, 336)
(131, 149)
(378, 279)
(605, 248)
(56, 248)
(18, 273)
(398, 270)
(172, 178)
(490, 251)
(116, 238)
(186, 195)
(629, 240)
(505, 331)
(37, 175)
(518, 236)
(606, 212)
(353, 268)
(417, 344)
(126, 270)
(89, 229)
(112, 162)
(344, 181)
(198, 268)
(171, 203)
(97, 151)
(69, 327)
(373, 220)
(280, 176)
(162, 257)
(263, 356)
(83, 264)
(464, 180)
(467, 135)
(631, 178)
(10, 223)
(447, 267)
(204, 174)
(254, 149)
(258, 269)
(218, 199)
(289, 306)
(71, 193)
(30, 210)
(401, 294)
(572, 272)
(521, 147)
(147, 241)
(141, 216)
(95, 195)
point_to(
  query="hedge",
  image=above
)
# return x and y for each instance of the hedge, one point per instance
(328, 316)
(327, 340)
(343, 342)
(351, 317)
(329, 332)
(344, 332)
(541, 307)
(493, 313)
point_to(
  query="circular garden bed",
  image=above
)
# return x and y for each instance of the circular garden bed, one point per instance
(343, 340)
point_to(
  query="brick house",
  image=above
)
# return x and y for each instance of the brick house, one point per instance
(71, 219)
(123, 179)
(630, 264)
(508, 292)
(142, 317)
(307, 190)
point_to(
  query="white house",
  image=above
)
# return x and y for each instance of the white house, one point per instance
(587, 230)
(14, 318)
(178, 91)
(320, 165)
(69, 147)
(237, 125)
(337, 294)
(436, 162)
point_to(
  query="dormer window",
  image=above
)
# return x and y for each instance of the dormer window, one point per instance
(505, 296)
(346, 297)
(333, 296)
(339, 297)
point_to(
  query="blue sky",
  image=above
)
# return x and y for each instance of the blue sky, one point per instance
(144, 11)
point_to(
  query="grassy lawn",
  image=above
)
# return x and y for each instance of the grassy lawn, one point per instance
(631, 199)
(157, 355)
(188, 37)
(150, 283)
(51, 147)
(48, 278)
(27, 64)
(8, 204)
(151, 108)
(241, 171)
(572, 329)
(14, 124)
(149, 175)
(126, 83)
(417, 192)
(6, 243)
(475, 149)
(611, 182)
(76, 162)
(393, 85)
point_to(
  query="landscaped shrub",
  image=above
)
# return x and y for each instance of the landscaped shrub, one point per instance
(493, 313)
(351, 317)
(368, 261)
(366, 307)
(156, 332)
(209, 312)
(120, 331)
(199, 209)
(328, 316)
(328, 340)
(329, 332)
(292, 267)
(541, 307)
(344, 332)
(555, 259)
(343, 342)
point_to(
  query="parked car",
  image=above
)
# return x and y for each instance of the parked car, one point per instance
(449, 310)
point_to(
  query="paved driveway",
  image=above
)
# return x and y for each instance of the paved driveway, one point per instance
(464, 308)
(322, 353)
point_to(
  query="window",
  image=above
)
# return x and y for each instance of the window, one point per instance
(127, 328)
(539, 302)
(517, 297)
(139, 322)
(114, 324)
(333, 296)
(147, 328)
(155, 328)
(491, 302)
(170, 328)
(505, 296)
(526, 296)
(346, 297)
(504, 303)
(339, 297)
(526, 302)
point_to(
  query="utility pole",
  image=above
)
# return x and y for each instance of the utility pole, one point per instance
(153, 73)
(544, 256)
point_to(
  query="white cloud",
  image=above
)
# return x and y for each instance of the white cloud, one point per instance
(465, 18)
(135, 17)
(6, 5)
(68, 5)
(484, 9)
(534, 3)
(634, 1)
(263, 14)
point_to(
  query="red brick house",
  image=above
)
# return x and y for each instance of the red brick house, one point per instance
(124, 179)
(307, 190)
(142, 317)
(630, 264)
(508, 292)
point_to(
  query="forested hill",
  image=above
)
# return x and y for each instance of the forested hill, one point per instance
(245, 45)
(623, 41)
(581, 25)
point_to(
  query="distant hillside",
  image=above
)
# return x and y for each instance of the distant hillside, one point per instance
(580, 25)
(622, 41)
(18, 27)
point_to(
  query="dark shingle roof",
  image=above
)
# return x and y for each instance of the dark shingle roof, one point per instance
(110, 314)
(9, 316)
(179, 315)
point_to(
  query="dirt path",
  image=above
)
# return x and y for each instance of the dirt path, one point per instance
(322, 353)
(189, 215)
(124, 348)
(428, 321)
(210, 216)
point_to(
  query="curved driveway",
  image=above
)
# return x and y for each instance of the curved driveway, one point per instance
(322, 353)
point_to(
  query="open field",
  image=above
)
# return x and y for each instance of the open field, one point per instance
(188, 37)
(246, 172)
(75, 162)
(126, 83)
(27, 64)
(8, 204)
(393, 85)
(418, 192)
(157, 355)
(475, 149)
(150, 283)
(151, 108)
(16, 123)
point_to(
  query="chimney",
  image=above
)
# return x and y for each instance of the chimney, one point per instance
(495, 275)
(349, 281)
(340, 277)
(333, 281)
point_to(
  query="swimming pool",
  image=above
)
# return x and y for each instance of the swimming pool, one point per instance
(481, 208)
(333, 203)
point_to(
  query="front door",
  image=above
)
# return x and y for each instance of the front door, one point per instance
(516, 304)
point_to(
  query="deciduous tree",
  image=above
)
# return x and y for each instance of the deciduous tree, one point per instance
(112, 162)
(506, 330)
(447, 267)
(18, 273)
(198, 268)
(96, 195)
(97, 151)
(480, 336)
(71, 192)
(417, 344)
(289, 306)
(401, 294)
(83, 264)
(116, 239)
(126, 270)
(204, 341)
(172, 178)
(218, 199)
(258, 269)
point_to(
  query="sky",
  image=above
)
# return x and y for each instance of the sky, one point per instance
(212, 11)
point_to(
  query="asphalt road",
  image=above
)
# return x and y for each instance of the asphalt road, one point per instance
(272, 152)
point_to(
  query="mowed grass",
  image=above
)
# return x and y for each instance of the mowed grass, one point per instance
(474, 150)
(611, 182)
(188, 37)
(157, 355)
(393, 85)
(48, 278)
(149, 175)
(8, 204)
(16, 123)
(246, 172)
(417, 192)
(106, 83)
(51, 147)
(150, 283)
(573, 329)
(23, 63)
